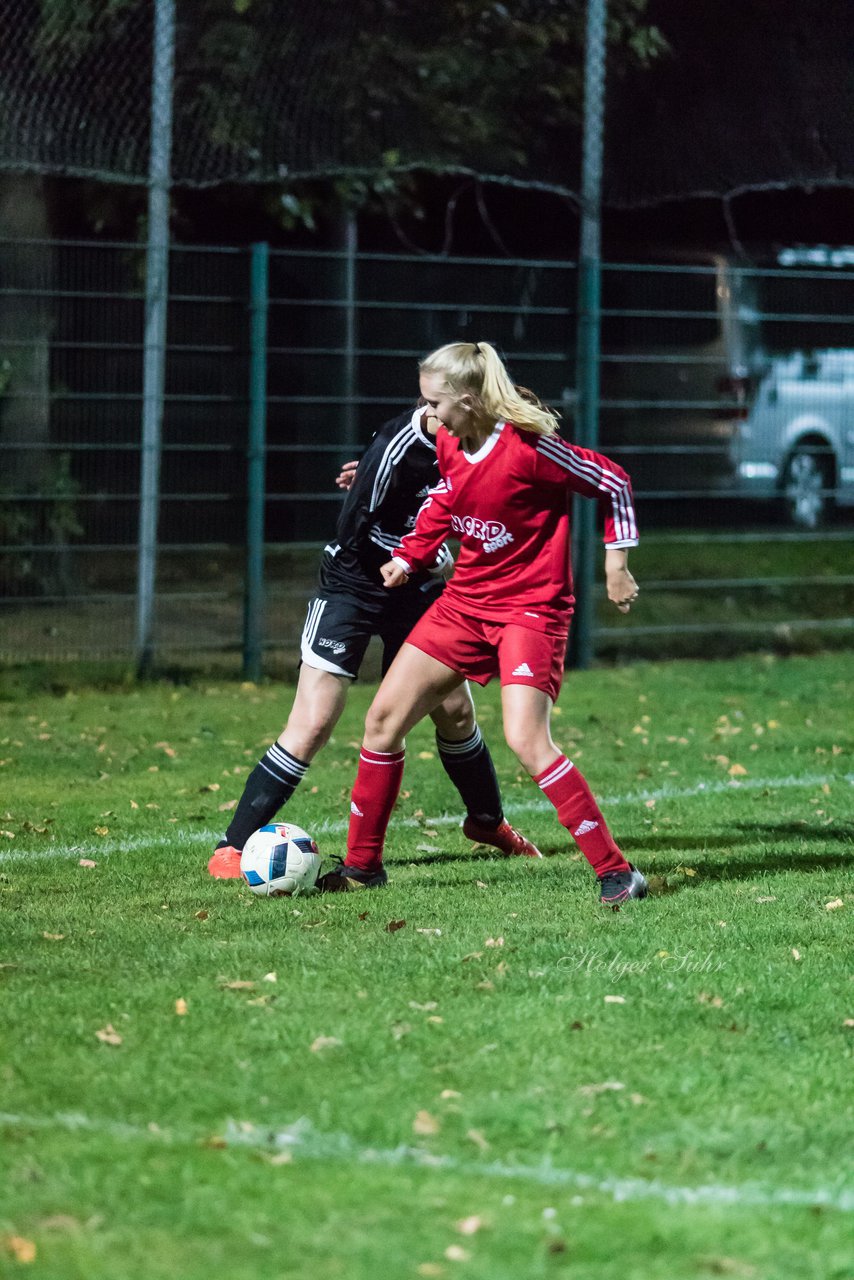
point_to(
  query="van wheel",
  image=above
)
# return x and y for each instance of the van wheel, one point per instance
(807, 482)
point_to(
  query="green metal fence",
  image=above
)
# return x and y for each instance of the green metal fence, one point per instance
(722, 388)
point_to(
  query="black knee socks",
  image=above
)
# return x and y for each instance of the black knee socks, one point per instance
(469, 766)
(273, 781)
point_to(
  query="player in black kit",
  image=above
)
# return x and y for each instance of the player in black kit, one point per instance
(351, 606)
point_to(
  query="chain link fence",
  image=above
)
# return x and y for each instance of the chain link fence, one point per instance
(727, 393)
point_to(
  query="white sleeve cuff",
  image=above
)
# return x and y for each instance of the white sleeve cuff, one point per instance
(623, 542)
(407, 568)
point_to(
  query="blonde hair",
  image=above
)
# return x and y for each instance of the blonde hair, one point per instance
(476, 369)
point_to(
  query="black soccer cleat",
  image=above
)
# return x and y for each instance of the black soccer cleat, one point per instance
(344, 879)
(616, 887)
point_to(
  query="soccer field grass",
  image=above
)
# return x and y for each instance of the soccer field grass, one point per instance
(476, 1072)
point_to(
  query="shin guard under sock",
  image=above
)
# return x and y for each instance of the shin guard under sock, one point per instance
(578, 811)
(273, 781)
(469, 766)
(374, 792)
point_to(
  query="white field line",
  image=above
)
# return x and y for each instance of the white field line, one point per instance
(337, 827)
(303, 1140)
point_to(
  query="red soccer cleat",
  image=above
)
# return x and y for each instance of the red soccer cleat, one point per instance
(225, 863)
(504, 838)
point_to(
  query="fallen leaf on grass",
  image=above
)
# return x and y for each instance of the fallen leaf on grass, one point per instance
(226, 806)
(425, 1124)
(108, 1035)
(456, 1253)
(400, 1029)
(239, 984)
(475, 1136)
(469, 1226)
(832, 906)
(428, 848)
(434, 933)
(737, 771)
(21, 1249)
(770, 898)
(101, 831)
(606, 1086)
(727, 1267)
(270, 977)
(201, 915)
(54, 937)
(181, 1007)
(394, 925)
(450, 1093)
(211, 786)
(848, 1022)
(615, 999)
(494, 942)
(424, 1008)
(796, 953)
(431, 1270)
(86, 862)
(325, 1042)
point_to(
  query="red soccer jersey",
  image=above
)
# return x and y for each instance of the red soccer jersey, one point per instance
(509, 506)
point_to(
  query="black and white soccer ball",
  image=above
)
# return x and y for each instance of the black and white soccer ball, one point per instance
(280, 860)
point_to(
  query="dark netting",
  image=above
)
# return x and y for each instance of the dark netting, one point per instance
(746, 93)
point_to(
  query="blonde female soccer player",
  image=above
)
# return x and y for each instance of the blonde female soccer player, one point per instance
(504, 492)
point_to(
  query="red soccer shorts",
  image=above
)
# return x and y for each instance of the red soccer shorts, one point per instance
(480, 650)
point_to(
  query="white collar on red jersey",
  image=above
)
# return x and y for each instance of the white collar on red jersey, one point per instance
(488, 445)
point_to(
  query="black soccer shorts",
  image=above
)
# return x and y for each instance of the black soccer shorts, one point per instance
(339, 626)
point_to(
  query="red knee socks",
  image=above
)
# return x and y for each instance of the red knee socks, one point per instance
(374, 793)
(580, 814)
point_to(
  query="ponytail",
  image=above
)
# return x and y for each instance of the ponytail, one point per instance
(476, 369)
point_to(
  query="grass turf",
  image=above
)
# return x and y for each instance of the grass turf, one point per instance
(511, 1081)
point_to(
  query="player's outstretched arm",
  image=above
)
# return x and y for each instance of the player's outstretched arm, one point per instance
(621, 586)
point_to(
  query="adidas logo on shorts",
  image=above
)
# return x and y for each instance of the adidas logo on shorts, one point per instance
(523, 670)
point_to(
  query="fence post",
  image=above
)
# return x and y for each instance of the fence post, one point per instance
(587, 349)
(256, 489)
(349, 432)
(156, 304)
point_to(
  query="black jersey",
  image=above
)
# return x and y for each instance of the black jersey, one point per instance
(398, 468)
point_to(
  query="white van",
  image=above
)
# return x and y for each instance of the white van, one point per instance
(797, 439)
(722, 379)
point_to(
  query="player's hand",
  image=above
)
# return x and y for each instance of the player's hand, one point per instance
(393, 575)
(622, 588)
(347, 475)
